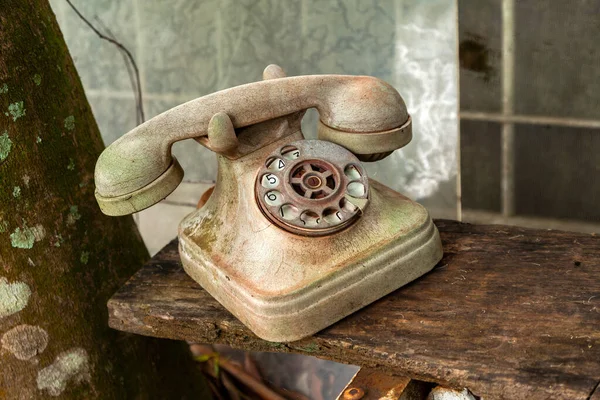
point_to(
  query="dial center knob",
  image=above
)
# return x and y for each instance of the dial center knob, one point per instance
(313, 181)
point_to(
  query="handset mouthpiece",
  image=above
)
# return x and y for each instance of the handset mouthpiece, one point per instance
(132, 175)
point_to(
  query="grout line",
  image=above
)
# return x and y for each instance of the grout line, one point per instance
(458, 154)
(508, 169)
(179, 203)
(490, 217)
(142, 76)
(219, 38)
(113, 94)
(139, 45)
(302, 37)
(508, 134)
(118, 94)
(530, 119)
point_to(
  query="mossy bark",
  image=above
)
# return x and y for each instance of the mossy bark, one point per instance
(60, 257)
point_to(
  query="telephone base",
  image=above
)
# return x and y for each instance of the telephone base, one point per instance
(377, 281)
(273, 281)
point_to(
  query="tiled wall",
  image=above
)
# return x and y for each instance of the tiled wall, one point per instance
(556, 103)
(189, 48)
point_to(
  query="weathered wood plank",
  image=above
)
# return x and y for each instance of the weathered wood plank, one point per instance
(510, 313)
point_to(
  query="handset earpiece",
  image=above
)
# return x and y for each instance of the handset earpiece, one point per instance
(372, 146)
(358, 112)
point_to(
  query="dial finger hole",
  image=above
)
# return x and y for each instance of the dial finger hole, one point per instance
(290, 152)
(289, 212)
(317, 167)
(299, 188)
(273, 198)
(275, 164)
(356, 189)
(269, 181)
(298, 172)
(345, 205)
(333, 216)
(330, 182)
(310, 219)
(352, 172)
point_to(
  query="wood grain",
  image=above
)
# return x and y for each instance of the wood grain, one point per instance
(510, 313)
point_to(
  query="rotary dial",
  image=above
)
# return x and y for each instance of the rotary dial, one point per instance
(312, 187)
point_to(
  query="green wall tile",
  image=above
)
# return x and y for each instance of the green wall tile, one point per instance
(180, 46)
(114, 116)
(100, 64)
(255, 34)
(348, 37)
(557, 56)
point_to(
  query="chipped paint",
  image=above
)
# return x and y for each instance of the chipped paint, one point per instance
(73, 215)
(25, 341)
(85, 257)
(13, 297)
(37, 79)
(26, 180)
(17, 192)
(22, 238)
(3, 226)
(4, 88)
(71, 165)
(5, 146)
(38, 140)
(70, 122)
(16, 110)
(69, 366)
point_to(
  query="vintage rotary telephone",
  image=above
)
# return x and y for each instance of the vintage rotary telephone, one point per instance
(295, 235)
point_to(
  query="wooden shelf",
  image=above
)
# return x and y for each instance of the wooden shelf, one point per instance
(510, 313)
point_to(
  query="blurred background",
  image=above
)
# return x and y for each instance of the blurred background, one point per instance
(530, 112)
(528, 151)
(189, 48)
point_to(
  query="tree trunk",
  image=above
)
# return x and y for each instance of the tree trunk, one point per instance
(60, 257)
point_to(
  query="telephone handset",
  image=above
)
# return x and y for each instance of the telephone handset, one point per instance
(363, 114)
(295, 236)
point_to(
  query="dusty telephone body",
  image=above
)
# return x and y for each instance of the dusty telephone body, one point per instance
(295, 236)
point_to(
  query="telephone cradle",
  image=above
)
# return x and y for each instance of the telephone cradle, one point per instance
(294, 236)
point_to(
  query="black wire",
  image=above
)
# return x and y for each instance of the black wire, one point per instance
(140, 108)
